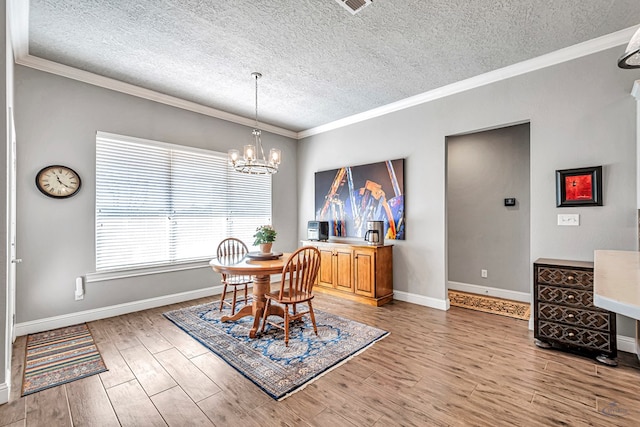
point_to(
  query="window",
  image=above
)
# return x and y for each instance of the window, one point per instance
(162, 204)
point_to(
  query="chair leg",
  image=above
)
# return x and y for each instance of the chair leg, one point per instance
(245, 293)
(264, 315)
(224, 294)
(233, 307)
(313, 318)
(286, 325)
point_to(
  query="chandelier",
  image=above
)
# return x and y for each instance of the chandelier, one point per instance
(254, 161)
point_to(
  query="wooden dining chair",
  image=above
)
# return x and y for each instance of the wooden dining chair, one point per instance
(232, 247)
(298, 276)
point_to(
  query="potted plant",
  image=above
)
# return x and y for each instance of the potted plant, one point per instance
(265, 236)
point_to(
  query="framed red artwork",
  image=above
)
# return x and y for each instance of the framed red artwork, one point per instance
(579, 187)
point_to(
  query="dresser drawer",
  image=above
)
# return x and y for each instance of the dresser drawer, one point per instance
(590, 319)
(566, 296)
(565, 277)
(575, 336)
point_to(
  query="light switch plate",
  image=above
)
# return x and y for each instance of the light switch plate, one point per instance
(569, 219)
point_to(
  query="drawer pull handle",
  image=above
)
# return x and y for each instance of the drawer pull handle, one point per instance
(570, 278)
(570, 316)
(571, 334)
(570, 297)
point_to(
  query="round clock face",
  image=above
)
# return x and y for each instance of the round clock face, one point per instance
(58, 181)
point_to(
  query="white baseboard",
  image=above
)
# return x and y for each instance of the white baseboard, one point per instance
(492, 292)
(49, 323)
(4, 391)
(440, 304)
(627, 344)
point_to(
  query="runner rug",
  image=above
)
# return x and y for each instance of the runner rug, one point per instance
(278, 370)
(60, 356)
(504, 307)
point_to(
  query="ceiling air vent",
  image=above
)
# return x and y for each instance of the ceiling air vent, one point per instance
(354, 6)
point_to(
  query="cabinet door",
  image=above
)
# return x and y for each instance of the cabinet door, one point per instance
(343, 269)
(365, 267)
(325, 275)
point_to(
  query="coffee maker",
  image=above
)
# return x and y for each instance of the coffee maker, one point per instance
(375, 233)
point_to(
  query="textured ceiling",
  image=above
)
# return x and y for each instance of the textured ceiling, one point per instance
(319, 62)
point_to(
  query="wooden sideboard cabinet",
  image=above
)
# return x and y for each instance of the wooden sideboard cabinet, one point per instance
(564, 314)
(357, 272)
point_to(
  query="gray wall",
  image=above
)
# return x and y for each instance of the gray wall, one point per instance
(56, 123)
(482, 170)
(580, 112)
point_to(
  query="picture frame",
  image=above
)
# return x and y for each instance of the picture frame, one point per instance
(579, 187)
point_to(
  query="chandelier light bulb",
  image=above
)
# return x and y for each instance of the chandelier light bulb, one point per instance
(249, 152)
(234, 155)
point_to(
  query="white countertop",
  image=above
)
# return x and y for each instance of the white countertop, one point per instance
(616, 284)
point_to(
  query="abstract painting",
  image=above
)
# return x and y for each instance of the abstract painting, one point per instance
(350, 196)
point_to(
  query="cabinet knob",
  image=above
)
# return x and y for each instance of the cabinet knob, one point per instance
(570, 297)
(570, 316)
(571, 334)
(571, 278)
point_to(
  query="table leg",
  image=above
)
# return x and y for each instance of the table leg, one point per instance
(261, 286)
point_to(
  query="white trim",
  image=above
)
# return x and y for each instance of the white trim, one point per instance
(22, 57)
(46, 324)
(18, 21)
(627, 344)
(492, 292)
(440, 304)
(5, 388)
(114, 137)
(118, 86)
(559, 56)
(123, 274)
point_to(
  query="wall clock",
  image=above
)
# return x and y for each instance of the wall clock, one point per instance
(58, 181)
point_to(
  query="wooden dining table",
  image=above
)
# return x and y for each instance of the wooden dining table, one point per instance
(260, 271)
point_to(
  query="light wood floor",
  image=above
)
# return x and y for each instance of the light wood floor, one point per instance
(458, 368)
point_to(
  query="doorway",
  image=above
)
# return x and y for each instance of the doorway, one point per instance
(488, 212)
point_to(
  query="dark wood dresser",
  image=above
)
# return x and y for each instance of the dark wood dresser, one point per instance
(564, 314)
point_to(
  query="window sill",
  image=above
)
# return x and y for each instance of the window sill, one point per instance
(124, 274)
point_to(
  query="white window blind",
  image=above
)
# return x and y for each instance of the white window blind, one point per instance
(162, 204)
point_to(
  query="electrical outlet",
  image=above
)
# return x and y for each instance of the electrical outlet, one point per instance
(483, 273)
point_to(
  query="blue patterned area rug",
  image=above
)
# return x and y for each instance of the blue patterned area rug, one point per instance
(278, 370)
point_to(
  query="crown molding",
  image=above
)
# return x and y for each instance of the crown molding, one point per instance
(119, 86)
(559, 56)
(18, 11)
